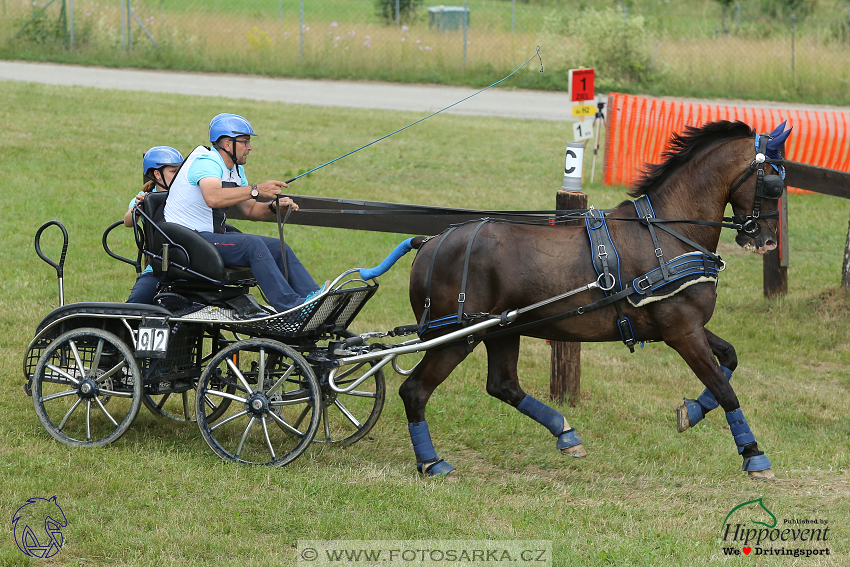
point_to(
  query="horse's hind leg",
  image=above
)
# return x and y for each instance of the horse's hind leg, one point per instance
(692, 412)
(415, 392)
(694, 348)
(503, 384)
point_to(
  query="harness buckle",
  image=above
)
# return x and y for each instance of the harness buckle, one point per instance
(601, 251)
(638, 283)
(658, 253)
(461, 297)
(427, 303)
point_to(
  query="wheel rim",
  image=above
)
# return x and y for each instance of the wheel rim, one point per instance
(87, 388)
(274, 399)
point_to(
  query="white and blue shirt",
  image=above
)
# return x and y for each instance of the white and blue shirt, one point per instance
(186, 204)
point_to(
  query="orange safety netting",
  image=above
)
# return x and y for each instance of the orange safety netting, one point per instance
(639, 130)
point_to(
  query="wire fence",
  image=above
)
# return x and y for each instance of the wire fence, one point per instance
(695, 47)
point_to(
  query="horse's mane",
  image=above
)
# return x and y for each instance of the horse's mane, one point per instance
(683, 148)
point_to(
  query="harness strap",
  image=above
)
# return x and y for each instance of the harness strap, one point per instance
(644, 210)
(461, 298)
(427, 313)
(690, 242)
(625, 327)
(606, 264)
(540, 322)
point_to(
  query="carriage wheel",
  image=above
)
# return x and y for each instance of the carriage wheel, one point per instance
(180, 406)
(87, 388)
(275, 405)
(348, 417)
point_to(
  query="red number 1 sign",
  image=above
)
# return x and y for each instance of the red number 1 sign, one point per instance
(581, 84)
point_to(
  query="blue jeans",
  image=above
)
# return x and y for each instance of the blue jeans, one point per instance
(262, 254)
(144, 290)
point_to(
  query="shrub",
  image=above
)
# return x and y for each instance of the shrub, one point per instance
(408, 10)
(619, 50)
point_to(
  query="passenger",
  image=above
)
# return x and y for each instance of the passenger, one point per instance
(213, 179)
(159, 165)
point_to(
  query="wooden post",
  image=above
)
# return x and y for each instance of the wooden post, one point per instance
(775, 262)
(565, 374)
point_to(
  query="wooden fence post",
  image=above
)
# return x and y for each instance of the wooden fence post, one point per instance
(565, 377)
(775, 262)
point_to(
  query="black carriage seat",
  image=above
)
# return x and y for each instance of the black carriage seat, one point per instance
(193, 253)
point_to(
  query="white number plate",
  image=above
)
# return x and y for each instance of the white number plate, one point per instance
(152, 342)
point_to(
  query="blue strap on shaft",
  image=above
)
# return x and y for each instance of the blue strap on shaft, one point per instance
(422, 445)
(383, 267)
(740, 429)
(542, 414)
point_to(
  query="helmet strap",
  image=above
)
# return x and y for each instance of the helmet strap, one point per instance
(232, 152)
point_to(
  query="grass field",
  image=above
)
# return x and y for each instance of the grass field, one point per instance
(645, 495)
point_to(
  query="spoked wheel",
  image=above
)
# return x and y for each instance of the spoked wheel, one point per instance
(275, 405)
(176, 405)
(87, 388)
(178, 401)
(348, 417)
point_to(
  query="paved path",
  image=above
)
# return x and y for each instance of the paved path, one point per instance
(523, 104)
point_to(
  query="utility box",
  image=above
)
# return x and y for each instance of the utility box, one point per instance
(447, 18)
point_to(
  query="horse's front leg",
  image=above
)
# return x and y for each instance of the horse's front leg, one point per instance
(415, 392)
(694, 348)
(503, 384)
(692, 412)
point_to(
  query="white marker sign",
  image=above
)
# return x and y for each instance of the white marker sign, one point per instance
(583, 130)
(572, 166)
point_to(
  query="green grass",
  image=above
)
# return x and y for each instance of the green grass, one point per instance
(644, 496)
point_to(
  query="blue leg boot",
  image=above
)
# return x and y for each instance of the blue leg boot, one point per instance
(692, 412)
(754, 461)
(569, 443)
(426, 457)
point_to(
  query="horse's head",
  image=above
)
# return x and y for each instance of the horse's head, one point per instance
(758, 190)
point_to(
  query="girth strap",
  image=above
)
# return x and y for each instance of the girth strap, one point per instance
(426, 315)
(606, 262)
(461, 298)
(644, 211)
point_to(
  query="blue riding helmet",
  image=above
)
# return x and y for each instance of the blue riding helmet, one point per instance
(229, 125)
(157, 158)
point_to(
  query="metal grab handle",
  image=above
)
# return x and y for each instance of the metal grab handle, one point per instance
(60, 267)
(137, 264)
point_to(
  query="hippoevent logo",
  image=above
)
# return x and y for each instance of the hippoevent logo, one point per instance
(37, 526)
(750, 528)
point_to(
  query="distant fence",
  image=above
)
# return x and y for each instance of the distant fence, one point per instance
(639, 129)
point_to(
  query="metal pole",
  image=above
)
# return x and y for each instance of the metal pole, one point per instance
(513, 15)
(793, 54)
(627, 14)
(738, 5)
(397, 13)
(71, 20)
(124, 25)
(301, 33)
(280, 10)
(465, 24)
(129, 27)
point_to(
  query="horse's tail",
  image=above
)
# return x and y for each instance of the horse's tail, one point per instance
(400, 250)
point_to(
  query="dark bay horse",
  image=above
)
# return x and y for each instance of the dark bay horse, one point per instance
(511, 265)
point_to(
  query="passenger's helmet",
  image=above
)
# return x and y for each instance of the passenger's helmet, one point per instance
(156, 158)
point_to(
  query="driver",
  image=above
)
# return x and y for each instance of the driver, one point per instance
(213, 179)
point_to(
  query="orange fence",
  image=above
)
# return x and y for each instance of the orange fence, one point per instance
(639, 129)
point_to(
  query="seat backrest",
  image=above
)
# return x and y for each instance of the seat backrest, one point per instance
(155, 205)
(202, 258)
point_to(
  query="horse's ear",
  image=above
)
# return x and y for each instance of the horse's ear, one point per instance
(778, 141)
(778, 130)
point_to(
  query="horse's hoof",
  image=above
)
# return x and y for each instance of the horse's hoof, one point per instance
(683, 422)
(439, 469)
(765, 476)
(576, 451)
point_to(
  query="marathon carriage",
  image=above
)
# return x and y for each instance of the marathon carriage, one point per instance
(261, 385)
